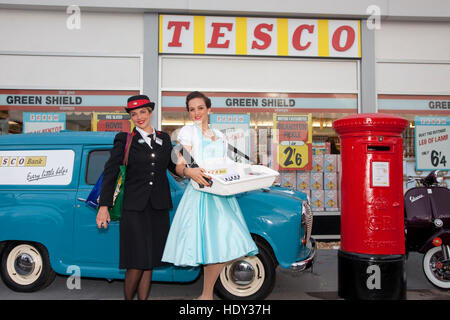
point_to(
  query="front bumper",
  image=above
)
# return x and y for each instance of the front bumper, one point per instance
(308, 262)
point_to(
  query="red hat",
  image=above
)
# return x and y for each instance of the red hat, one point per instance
(139, 101)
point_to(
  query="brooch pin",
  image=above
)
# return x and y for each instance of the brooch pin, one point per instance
(141, 141)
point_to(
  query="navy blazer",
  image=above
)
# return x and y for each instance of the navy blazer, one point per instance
(146, 177)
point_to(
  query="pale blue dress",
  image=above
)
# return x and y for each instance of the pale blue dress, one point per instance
(207, 228)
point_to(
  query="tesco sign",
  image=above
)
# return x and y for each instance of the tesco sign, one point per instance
(259, 36)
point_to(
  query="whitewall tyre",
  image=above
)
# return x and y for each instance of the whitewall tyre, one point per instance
(434, 268)
(247, 278)
(25, 266)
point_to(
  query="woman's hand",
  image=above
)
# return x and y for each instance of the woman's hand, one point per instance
(103, 218)
(198, 175)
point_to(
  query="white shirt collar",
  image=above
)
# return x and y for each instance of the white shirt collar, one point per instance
(145, 136)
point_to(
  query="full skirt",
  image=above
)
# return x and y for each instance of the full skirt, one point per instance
(206, 229)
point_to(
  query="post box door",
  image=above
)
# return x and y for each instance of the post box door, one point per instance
(375, 223)
(386, 213)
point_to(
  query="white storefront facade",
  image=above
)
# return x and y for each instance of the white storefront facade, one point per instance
(80, 62)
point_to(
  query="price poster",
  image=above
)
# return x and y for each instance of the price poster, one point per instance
(236, 128)
(432, 143)
(104, 121)
(292, 142)
(38, 122)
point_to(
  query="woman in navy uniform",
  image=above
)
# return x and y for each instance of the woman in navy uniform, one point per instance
(145, 218)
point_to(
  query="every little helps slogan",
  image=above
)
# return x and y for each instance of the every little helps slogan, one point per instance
(292, 142)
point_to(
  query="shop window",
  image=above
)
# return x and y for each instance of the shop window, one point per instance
(255, 111)
(33, 111)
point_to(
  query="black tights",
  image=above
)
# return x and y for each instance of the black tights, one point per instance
(137, 279)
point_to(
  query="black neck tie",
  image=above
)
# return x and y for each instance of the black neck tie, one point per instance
(152, 144)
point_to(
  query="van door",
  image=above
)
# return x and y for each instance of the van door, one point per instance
(38, 183)
(93, 247)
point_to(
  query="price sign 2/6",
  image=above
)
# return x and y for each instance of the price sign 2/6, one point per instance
(294, 157)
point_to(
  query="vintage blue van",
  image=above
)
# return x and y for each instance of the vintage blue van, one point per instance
(47, 228)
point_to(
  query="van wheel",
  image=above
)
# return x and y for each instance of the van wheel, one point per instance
(247, 278)
(25, 267)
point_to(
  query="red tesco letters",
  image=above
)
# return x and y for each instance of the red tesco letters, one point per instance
(264, 37)
(297, 36)
(342, 38)
(178, 25)
(216, 34)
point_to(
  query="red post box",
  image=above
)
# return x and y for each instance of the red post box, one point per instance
(371, 258)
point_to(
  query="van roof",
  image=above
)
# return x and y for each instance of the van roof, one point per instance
(64, 137)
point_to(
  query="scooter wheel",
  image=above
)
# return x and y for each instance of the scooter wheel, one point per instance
(436, 270)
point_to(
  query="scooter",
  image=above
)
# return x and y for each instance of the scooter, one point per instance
(427, 224)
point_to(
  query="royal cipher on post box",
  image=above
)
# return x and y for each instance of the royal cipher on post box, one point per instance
(371, 258)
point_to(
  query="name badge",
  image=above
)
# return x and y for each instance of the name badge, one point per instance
(158, 141)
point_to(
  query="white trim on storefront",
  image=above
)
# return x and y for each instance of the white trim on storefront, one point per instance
(353, 88)
(82, 84)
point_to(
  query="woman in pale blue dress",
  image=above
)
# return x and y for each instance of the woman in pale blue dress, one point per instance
(207, 229)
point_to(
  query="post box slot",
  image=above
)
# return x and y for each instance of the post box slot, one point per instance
(378, 148)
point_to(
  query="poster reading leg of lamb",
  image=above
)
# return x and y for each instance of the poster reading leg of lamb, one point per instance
(432, 143)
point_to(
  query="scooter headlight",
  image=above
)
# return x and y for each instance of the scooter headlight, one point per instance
(438, 223)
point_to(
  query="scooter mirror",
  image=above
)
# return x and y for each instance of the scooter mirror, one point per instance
(440, 173)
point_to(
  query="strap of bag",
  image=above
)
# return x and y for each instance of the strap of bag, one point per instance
(190, 162)
(238, 152)
(127, 149)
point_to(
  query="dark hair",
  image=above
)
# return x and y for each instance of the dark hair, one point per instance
(197, 94)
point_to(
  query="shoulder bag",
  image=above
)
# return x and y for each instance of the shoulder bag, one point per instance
(115, 212)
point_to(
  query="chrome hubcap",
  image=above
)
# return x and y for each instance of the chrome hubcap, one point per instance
(24, 264)
(242, 273)
(243, 277)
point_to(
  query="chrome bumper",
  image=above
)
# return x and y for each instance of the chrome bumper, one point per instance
(308, 262)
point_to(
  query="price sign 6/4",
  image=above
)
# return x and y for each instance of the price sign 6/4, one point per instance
(432, 143)
(438, 159)
(294, 157)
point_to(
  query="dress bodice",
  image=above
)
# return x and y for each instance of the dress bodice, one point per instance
(211, 150)
(204, 150)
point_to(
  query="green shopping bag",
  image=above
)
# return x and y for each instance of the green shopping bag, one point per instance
(116, 211)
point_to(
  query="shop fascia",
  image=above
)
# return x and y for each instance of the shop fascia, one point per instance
(63, 100)
(259, 36)
(39, 100)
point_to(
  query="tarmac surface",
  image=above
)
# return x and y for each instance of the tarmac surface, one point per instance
(320, 283)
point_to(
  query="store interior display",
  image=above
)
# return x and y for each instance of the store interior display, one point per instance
(320, 183)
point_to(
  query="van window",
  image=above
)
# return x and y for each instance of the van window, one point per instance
(95, 165)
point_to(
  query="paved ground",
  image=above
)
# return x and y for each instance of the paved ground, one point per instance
(318, 284)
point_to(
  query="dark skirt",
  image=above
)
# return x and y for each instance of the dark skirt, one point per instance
(143, 236)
